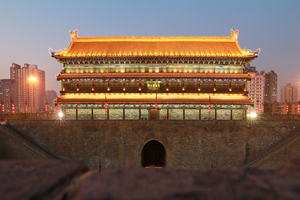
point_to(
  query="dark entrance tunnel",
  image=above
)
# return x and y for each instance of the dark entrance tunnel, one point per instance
(153, 154)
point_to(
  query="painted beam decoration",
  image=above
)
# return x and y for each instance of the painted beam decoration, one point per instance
(180, 78)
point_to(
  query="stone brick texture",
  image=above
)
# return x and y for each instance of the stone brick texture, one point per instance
(69, 180)
(188, 144)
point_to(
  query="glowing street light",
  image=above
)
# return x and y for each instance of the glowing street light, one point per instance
(60, 114)
(32, 79)
(253, 115)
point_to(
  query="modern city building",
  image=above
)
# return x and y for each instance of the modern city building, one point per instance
(51, 95)
(255, 88)
(289, 93)
(165, 78)
(286, 108)
(30, 83)
(8, 95)
(270, 87)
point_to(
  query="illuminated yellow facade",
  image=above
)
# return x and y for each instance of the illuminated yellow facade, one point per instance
(177, 78)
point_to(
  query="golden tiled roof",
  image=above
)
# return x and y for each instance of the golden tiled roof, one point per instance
(164, 98)
(103, 47)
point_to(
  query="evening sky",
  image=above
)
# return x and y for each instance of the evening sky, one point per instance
(29, 28)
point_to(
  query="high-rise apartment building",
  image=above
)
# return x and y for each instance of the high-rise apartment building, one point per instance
(270, 87)
(289, 93)
(30, 93)
(255, 88)
(50, 96)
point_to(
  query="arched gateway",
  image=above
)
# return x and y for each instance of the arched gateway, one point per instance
(153, 154)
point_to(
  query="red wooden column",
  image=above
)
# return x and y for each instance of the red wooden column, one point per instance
(140, 113)
(215, 113)
(231, 114)
(183, 111)
(76, 113)
(123, 113)
(92, 117)
(168, 114)
(199, 113)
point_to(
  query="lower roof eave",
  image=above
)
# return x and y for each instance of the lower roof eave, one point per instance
(152, 75)
(149, 102)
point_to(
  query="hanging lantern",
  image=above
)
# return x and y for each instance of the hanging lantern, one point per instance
(287, 108)
(262, 108)
(26, 108)
(46, 108)
(155, 107)
(58, 107)
(13, 108)
(105, 107)
(298, 109)
(257, 108)
(3, 108)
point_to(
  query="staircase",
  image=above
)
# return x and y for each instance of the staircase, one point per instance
(293, 135)
(22, 139)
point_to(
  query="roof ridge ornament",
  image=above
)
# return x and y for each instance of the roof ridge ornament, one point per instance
(74, 34)
(234, 34)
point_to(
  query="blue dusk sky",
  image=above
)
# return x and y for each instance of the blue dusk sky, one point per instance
(29, 28)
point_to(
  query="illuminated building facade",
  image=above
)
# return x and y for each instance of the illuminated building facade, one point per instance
(255, 88)
(30, 96)
(165, 78)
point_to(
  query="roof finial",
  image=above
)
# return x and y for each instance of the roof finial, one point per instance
(234, 34)
(73, 34)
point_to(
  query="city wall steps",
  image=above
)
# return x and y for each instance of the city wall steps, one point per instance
(281, 150)
(19, 146)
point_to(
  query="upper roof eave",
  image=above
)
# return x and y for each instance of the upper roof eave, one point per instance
(152, 56)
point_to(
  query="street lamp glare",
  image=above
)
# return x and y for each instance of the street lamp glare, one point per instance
(60, 114)
(32, 79)
(253, 115)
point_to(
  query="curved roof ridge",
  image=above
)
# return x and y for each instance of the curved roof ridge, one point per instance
(155, 38)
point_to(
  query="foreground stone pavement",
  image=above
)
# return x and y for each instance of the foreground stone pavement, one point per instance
(36, 179)
(62, 180)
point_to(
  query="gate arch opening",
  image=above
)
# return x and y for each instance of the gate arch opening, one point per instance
(153, 154)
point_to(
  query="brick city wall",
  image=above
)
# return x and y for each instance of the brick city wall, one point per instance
(188, 144)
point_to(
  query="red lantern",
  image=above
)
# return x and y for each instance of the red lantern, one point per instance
(26, 109)
(287, 108)
(105, 107)
(3, 108)
(257, 108)
(46, 108)
(262, 108)
(58, 107)
(13, 108)
(298, 109)
(209, 108)
(155, 107)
